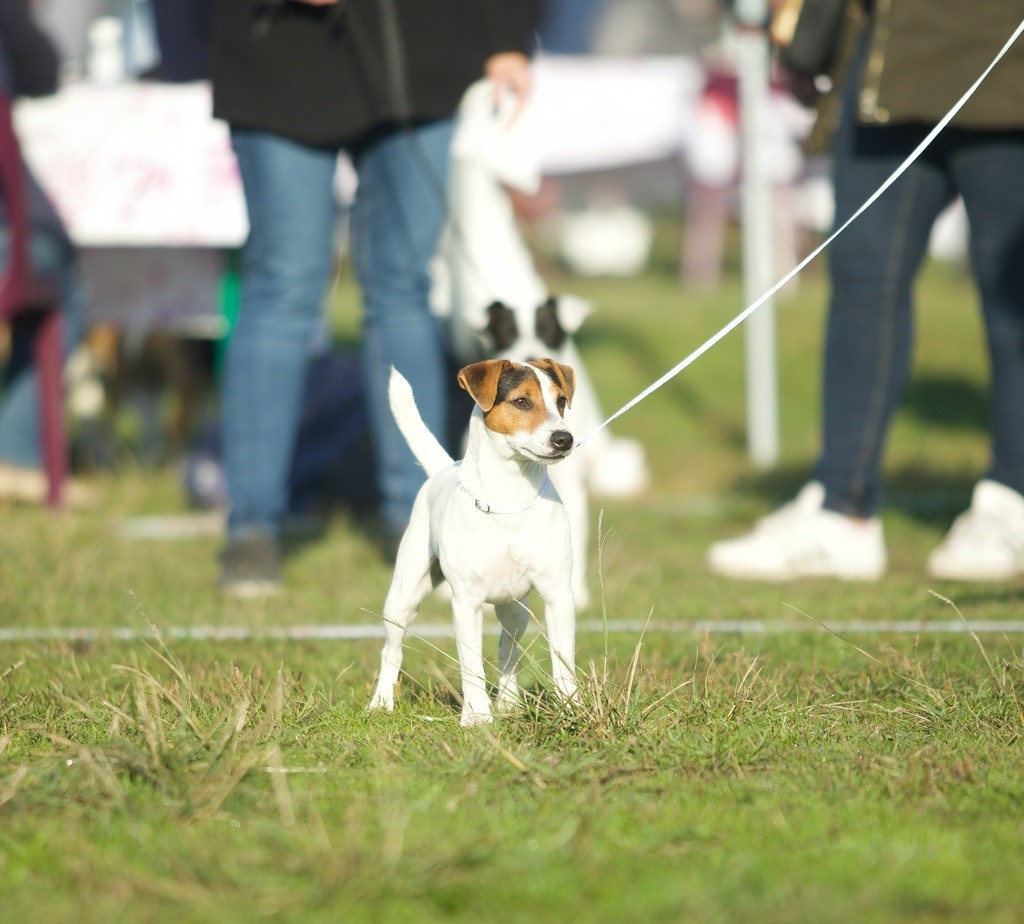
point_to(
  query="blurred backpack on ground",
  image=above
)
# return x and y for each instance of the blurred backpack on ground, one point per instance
(333, 463)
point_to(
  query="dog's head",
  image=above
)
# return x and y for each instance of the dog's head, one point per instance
(523, 334)
(523, 405)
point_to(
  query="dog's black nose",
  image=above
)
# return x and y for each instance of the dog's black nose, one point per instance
(561, 440)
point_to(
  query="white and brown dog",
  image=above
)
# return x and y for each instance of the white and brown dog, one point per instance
(492, 525)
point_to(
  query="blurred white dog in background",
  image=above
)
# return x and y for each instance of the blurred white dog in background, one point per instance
(497, 305)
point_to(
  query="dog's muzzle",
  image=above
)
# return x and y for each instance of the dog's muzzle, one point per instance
(561, 441)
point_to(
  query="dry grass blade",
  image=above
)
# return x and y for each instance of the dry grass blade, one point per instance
(11, 669)
(10, 789)
(971, 632)
(741, 698)
(1000, 681)
(279, 784)
(515, 761)
(147, 678)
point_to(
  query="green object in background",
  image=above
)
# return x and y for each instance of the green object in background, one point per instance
(228, 298)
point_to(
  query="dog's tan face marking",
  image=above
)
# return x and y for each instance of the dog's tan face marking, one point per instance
(563, 378)
(520, 404)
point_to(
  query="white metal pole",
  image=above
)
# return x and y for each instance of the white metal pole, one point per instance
(756, 214)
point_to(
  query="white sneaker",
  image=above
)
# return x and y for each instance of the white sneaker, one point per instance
(802, 539)
(985, 543)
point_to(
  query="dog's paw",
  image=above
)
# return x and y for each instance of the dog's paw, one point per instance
(508, 698)
(382, 701)
(472, 718)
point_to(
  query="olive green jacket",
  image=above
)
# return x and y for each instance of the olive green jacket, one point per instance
(922, 56)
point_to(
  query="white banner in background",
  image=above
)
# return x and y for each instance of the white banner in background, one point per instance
(136, 165)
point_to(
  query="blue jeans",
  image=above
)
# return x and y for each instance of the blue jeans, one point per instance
(872, 269)
(51, 259)
(286, 265)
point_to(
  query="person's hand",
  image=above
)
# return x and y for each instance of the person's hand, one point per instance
(510, 71)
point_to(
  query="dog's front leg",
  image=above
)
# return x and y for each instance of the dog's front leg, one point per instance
(469, 640)
(560, 619)
(514, 618)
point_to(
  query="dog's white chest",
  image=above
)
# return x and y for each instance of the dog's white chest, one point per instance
(502, 582)
(497, 558)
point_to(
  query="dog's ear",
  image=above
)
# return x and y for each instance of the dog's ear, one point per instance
(562, 376)
(481, 381)
(572, 312)
(570, 382)
(548, 328)
(501, 326)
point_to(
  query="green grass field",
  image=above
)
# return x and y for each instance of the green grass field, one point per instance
(783, 777)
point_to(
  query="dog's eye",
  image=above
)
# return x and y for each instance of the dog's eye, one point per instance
(560, 404)
(524, 404)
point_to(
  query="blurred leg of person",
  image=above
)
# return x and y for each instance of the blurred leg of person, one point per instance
(21, 475)
(987, 541)
(397, 220)
(987, 167)
(872, 267)
(286, 265)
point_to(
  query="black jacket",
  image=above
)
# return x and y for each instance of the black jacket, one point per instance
(328, 76)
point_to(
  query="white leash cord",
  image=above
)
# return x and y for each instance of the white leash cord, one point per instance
(747, 312)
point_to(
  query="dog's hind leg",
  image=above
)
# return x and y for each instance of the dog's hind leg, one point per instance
(514, 618)
(413, 580)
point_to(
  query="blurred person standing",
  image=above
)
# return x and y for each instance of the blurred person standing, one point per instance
(910, 63)
(28, 67)
(298, 81)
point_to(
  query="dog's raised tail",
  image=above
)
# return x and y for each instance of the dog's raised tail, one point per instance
(424, 445)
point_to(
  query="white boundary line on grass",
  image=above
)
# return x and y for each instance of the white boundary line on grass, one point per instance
(366, 631)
